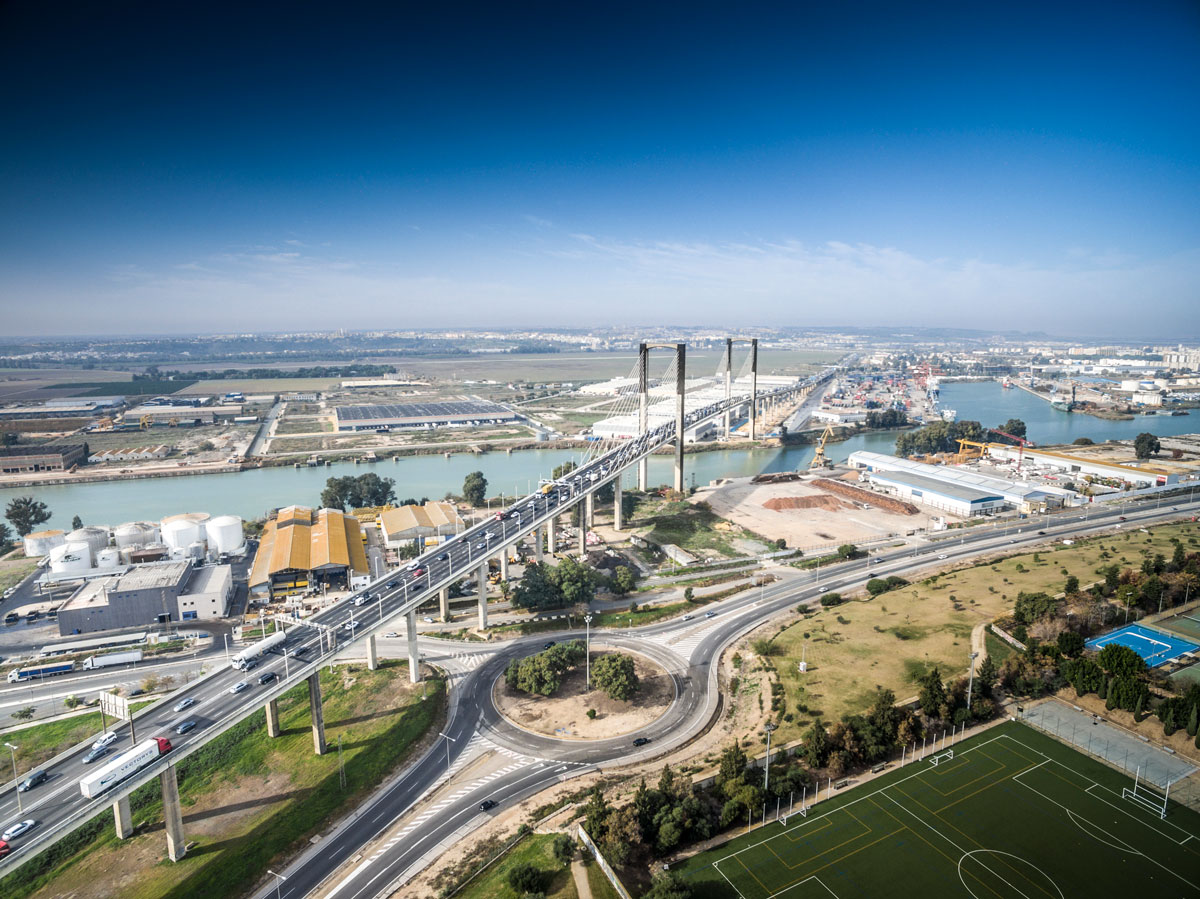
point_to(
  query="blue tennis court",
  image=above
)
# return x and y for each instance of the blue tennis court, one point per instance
(1155, 647)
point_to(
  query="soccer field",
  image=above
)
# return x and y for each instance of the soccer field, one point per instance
(1012, 814)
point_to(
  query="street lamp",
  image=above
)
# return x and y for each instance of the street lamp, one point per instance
(971, 679)
(767, 763)
(13, 751)
(587, 656)
(452, 740)
(278, 882)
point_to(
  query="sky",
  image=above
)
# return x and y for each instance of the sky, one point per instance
(214, 167)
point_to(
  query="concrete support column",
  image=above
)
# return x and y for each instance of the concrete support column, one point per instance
(582, 537)
(617, 523)
(589, 510)
(372, 654)
(643, 405)
(172, 815)
(273, 718)
(318, 714)
(414, 657)
(728, 381)
(681, 391)
(504, 564)
(551, 536)
(537, 544)
(123, 818)
(483, 596)
(753, 386)
(444, 599)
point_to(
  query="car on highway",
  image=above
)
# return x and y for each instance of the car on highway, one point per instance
(239, 687)
(105, 740)
(362, 600)
(1122, 518)
(709, 614)
(413, 566)
(5, 849)
(185, 726)
(17, 829)
(267, 678)
(184, 704)
(443, 557)
(1041, 533)
(37, 777)
(427, 620)
(97, 752)
(547, 644)
(480, 546)
(418, 573)
(391, 634)
(688, 617)
(641, 741)
(487, 805)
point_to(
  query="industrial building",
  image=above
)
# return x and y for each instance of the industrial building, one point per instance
(955, 490)
(301, 548)
(46, 457)
(144, 595)
(421, 415)
(131, 454)
(63, 408)
(181, 414)
(1083, 462)
(408, 523)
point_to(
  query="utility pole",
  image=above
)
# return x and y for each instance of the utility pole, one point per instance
(767, 762)
(971, 679)
(587, 653)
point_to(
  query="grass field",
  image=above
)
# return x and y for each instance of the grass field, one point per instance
(1012, 814)
(895, 638)
(536, 849)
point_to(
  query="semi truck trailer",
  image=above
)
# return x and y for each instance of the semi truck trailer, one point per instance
(113, 658)
(38, 671)
(125, 765)
(250, 653)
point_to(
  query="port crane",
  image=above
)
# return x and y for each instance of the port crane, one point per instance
(820, 460)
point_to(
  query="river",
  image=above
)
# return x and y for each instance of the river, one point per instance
(252, 493)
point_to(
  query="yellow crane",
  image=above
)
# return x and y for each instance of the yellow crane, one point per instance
(820, 460)
(967, 456)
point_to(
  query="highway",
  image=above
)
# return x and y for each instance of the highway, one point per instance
(59, 807)
(688, 649)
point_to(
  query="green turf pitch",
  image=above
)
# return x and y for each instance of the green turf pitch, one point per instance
(1014, 815)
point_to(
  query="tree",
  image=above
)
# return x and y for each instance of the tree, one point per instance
(26, 513)
(475, 488)
(525, 878)
(561, 471)
(933, 694)
(816, 745)
(76, 523)
(575, 581)
(876, 585)
(847, 551)
(537, 589)
(1014, 426)
(986, 676)
(1083, 441)
(358, 492)
(623, 580)
(667, 885)
(614, 674)
(24, 714)
(1145, 445)
(1072, 585)
(564, 849)
(5, 536)
(1120, 661)
(1070, 644)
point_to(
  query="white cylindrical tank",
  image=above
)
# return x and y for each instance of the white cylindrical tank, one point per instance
(109, 557)
(94, 537)
(40, 543)
(71, 558)
(225, 534)
(136, 533)
(177, 553)
(179, 532)
(195, 550)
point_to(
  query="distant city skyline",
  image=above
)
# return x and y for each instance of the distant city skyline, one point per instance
(1027, 168)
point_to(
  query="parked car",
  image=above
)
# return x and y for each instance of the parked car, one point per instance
(37, 777)
(239, 687)
(185, 726)
(184, 704)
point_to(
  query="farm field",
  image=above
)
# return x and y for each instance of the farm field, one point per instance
(1011, 814)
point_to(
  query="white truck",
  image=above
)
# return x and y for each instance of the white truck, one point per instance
(250, 653)
(113, 658)
(125, 765)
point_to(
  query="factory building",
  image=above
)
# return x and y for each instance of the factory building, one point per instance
(46, 457)
(421, 415)
(145, 595)
(1138, 474)
(301, 548)
(63, 408)
(181, 415)
(956, 490)
(132, 454)
(408, 523)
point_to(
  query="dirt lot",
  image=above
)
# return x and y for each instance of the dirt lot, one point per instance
(565, 716)
(803, 515)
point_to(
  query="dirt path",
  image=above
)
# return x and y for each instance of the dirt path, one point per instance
(978, 644)
(579, 872)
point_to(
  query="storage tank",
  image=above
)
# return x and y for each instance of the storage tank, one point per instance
(136, 533)
(94, 537)
(71, 558)
(40, 543)
(195, 550)
(225, 534)
(179, 532)
(109, 557)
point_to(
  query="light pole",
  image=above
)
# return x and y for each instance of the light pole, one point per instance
(452, 740)
(971, 679)
(278, 882)
(13, 751)
(587, 654)
(767, 762)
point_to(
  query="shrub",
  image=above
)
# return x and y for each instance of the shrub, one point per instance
(831, 599)
(525, 878)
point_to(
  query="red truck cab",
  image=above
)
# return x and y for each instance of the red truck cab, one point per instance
(164, 745)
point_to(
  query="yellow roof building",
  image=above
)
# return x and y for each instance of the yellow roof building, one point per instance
(299, 546)
(410, 522)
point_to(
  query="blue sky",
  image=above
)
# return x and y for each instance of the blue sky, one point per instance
(1028, 166)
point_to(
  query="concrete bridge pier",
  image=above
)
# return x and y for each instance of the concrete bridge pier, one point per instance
(537, 544)
(504, 564)
(318, 714)
(172, 815)
(444, 600)
(483, 585)
(551, 538)
(123, 818)
(589, 510)
(273, 729)
(372, 654)
(617, 523)
(414, 657)
(582, 537)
